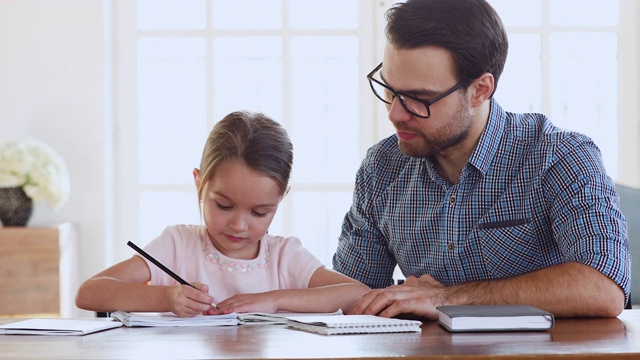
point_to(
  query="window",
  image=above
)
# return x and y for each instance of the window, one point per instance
(565, 60)
(184, 64)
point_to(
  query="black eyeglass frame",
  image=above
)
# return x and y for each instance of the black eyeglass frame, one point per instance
(401, 96)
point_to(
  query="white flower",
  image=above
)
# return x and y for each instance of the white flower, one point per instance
(37, 168)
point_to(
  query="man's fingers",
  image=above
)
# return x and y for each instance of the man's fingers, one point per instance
(428, 279)
(363, 304)
(380, 301)
(424, 280)
(412, 281)
(397, 300)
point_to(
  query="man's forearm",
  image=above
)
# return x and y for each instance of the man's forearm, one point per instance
(566, 290)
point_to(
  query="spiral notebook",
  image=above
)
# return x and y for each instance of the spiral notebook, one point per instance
(352, 324)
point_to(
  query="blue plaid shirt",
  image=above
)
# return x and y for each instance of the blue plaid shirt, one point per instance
(530, 196)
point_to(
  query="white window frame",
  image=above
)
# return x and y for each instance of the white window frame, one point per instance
(374, 124)
(629, 95)
(126, 188)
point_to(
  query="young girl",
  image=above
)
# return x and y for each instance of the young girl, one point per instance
(232, 260)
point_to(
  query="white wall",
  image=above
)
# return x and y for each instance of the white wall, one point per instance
(52, 87)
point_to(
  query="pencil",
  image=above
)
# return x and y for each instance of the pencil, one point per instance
(163, 268)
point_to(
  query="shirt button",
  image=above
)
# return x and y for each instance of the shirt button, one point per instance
(452, 200)
(450, 246)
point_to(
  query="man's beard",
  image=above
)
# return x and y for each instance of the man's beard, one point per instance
(452, 135)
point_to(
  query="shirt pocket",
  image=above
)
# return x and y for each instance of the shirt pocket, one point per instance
(509, 247)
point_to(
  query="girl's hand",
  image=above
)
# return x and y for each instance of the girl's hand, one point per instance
(266, 302)
(185, 301)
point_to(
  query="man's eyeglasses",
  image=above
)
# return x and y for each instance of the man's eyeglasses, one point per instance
(413, 105)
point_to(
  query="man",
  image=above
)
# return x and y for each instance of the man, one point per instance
(474, 204)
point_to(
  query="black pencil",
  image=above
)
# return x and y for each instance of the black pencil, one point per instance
(163, 268)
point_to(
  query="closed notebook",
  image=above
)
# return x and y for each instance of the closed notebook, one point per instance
(57, 326)
(494, 318)
(352, 324)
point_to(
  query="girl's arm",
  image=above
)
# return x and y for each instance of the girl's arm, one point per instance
(124, 287)
(328, 291)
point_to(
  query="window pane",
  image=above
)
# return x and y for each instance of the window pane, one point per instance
(520, 86)
(518, 12)
(583, 12)
(247, 14)
(172, 108)
(247, 75)
(171, 14)
(158, 209)
(317, 221)
(325, 109)
(584, 86)
(327, 14)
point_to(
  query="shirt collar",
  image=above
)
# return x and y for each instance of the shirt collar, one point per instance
(487, 147)
(489, 141)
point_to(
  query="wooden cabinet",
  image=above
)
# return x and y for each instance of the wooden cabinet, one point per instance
(38, 271)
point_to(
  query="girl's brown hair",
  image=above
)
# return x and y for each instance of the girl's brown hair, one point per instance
(252, 138)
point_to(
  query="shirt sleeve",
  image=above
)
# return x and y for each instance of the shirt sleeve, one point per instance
(296, 264)
(586, 221)
(163, 249)
(362, 251)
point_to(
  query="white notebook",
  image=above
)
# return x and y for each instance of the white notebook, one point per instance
(134, 319)
(352, 324)
(257, 318)
(57, 326)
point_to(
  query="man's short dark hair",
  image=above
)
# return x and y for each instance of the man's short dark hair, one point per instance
(470, 30)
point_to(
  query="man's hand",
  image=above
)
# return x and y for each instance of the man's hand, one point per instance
(417, 296)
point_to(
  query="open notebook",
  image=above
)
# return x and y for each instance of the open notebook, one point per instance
(134, 319)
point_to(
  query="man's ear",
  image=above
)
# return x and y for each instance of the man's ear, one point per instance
(482, 88)
(286, 191)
